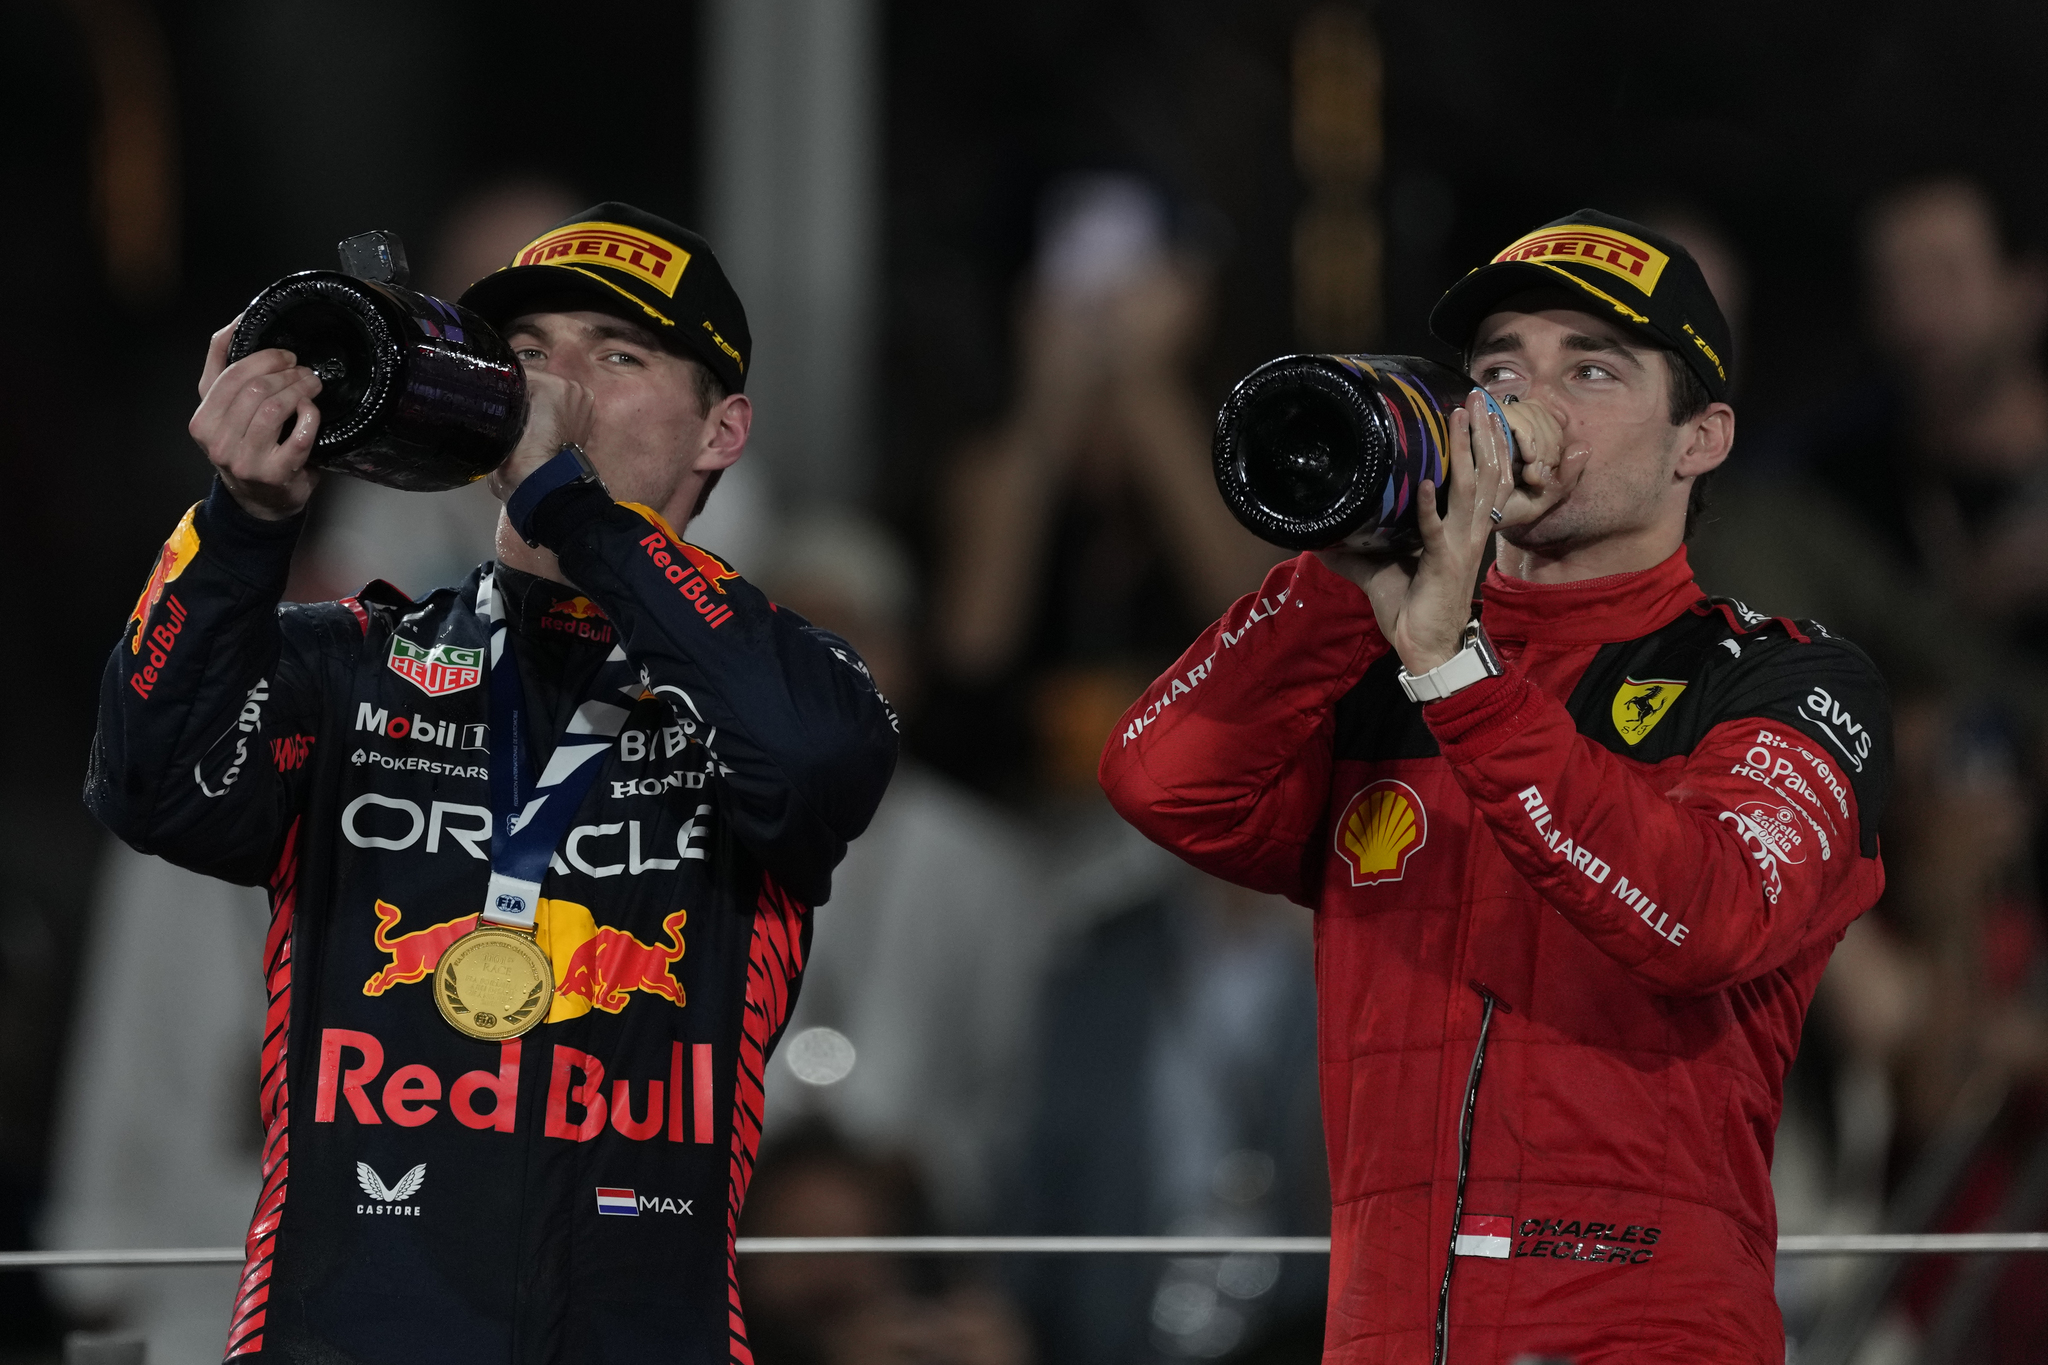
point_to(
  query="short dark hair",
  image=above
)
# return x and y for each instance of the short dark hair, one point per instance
(711, 391)
(1689, 398)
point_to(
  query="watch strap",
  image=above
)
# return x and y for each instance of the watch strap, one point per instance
(570, 465)
(1474, 662)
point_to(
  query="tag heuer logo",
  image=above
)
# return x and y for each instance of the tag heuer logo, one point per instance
(437, 670)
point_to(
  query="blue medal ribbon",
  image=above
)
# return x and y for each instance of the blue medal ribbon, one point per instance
(529, 814)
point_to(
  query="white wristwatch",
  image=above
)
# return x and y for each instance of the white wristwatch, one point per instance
(1474, 660)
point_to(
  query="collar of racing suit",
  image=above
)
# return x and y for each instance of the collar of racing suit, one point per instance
(560, 638)
(1620, 606)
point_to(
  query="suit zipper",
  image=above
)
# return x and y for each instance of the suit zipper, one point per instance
(1443, 1301)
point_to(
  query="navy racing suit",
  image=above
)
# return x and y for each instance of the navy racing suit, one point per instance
(570, 1195)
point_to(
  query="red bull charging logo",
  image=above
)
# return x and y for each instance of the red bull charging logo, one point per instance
(596, 966)
(714, 569)
(178, 552)
(577, 609)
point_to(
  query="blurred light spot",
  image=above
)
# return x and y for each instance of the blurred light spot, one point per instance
(1246, 1276)
(1182, 1308)
(819, 1056)
(1243, 1177)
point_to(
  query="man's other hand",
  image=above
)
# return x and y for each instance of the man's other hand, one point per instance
(1546, 472)
(558, 413)
(1423, 602)
(240, 424)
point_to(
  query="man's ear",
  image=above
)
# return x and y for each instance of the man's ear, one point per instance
(725, 433)
(1706, 441)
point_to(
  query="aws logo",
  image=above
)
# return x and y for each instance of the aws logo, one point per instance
(1638, 706)
(1380, 830)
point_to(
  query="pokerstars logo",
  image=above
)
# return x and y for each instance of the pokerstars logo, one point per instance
(390, 1199)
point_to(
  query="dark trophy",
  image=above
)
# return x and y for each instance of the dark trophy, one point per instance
(416, 393)
(1314, 451)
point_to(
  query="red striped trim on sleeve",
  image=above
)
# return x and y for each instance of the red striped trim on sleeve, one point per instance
(774, 962)
(245, 1334)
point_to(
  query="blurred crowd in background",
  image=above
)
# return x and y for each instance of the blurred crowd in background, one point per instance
(1002, 264)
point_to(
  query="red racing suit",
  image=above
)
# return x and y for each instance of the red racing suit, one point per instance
(1568, 923)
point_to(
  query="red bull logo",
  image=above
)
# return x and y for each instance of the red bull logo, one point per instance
(697, 574)
(415, 955)
(178, 551)
(578, 616)
(596, 966)
(715, 570)
(578, 609)
(581, 1104)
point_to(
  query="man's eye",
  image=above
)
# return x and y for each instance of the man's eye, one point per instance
(1495, 374)
(1592, 371)
(525, 353)
(622, 358)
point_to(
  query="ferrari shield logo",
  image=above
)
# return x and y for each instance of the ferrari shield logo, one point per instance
(1638, 706)
(437, 670)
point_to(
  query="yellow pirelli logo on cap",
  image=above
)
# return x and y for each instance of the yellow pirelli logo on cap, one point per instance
(1617, 253)
(637, 253)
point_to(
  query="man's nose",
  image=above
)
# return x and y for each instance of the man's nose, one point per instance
(568, 364)
(1550, 395)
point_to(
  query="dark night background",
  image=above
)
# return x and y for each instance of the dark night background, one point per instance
(291, 125)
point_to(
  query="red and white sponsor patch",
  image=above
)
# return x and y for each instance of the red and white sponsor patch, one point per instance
(1482, 1234)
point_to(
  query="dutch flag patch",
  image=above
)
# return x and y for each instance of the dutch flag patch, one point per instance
(1485, 1235)
(625, 1205)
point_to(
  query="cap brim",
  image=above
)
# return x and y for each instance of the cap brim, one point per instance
(1467, 303)
(500, 297)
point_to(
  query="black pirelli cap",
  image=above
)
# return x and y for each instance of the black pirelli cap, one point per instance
(617, 259)
(1641, 278)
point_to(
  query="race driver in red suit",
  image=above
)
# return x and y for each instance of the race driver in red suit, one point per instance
(1571, 907)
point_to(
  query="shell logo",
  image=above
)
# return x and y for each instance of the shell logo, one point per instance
(1381, 829)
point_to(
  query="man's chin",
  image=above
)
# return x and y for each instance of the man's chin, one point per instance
(1548, 532)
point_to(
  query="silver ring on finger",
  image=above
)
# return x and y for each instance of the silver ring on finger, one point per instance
(1494, 512)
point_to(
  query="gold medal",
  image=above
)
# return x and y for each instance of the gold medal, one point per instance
(494, 983)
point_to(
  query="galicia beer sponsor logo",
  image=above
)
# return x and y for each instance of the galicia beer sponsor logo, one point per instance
(1381, 829)
(1758, 839)
(1778, 826)
(437, 670)
(390, 1198)
(1638, 706)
